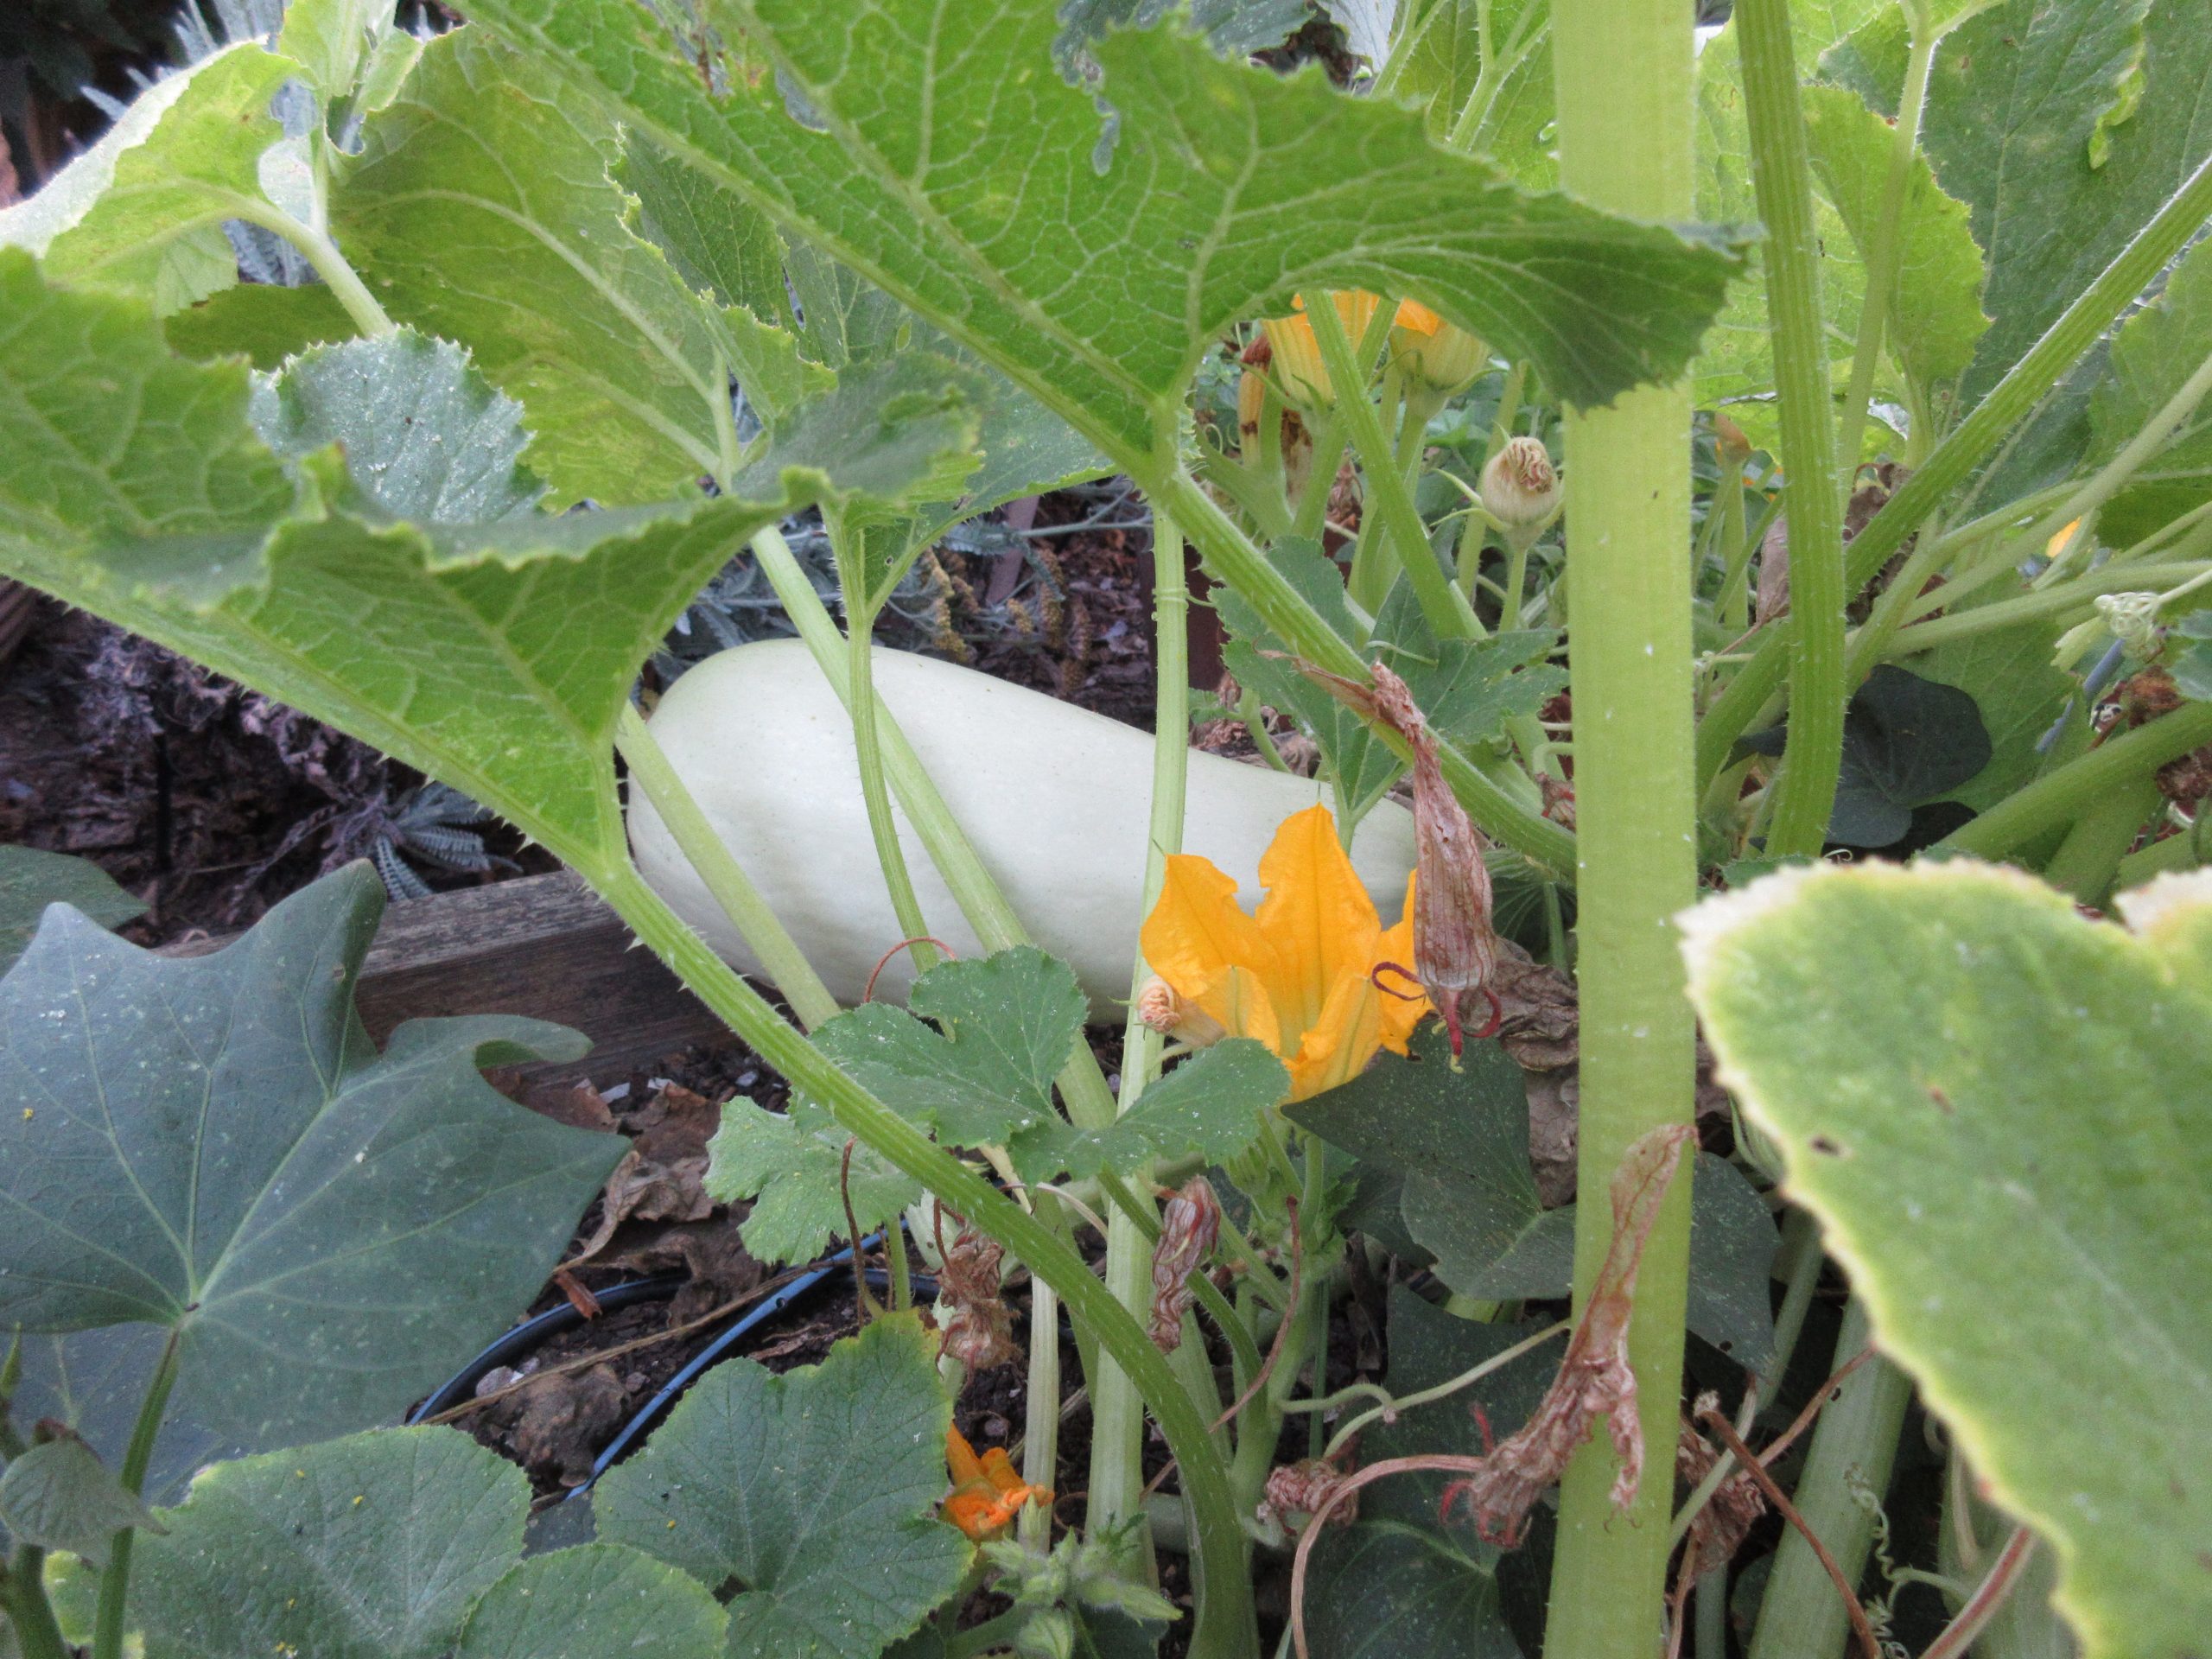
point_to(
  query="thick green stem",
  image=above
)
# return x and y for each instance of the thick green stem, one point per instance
(1805, 793)
(1285, 610)
(2088, 858)
(1975, 439)
(30, 1615)
(320, 252)
(780, 957)
(1881, 251)
(108, 1620)
(1224, 1610)
(2062, 796)
(1623, 70)
(1117, 1435)
(1442, 606)
(1802, 1616)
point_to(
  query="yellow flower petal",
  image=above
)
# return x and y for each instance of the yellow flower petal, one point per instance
(1338, 1046)
(1211, 951)
(1317, 916)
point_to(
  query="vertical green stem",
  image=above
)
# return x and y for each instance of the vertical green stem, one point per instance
(1223, 1624)
(115, 1577)
(1442, 605)
(861, 704)
(1853, 1447)
(1117, 1435)
(781, 958)
(1882, 249)
(30, 1615)
(1805, 793)
(2088, 858)
(1623, 71)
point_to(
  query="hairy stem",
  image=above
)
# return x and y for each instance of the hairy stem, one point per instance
(1223, 1619)
(1805, 792)
(784, 962)
(1623, 70)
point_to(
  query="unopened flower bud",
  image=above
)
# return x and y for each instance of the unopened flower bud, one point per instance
(1520, 486)
(1189, 1227)
(1160, 1006)
(1440, 355)
(2133, 619)
(1298, 365)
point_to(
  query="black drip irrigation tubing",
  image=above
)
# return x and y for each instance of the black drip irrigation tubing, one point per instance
(460, 1388)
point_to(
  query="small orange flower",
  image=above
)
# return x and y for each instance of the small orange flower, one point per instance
(987, 1493)
(1300, 974)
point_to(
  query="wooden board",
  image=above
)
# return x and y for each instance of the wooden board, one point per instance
(541, 945)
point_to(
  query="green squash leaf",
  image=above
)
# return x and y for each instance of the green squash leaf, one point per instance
(1096, 267)
(813, 1489)
(31, 879)
(1383, 1589)
(143, 210)
(792, 1167)
(974, 1054)
(259, 321)
(1457, 1139)
(1997, 1110)
(719, 243)
(60, 1496)
(2153, 353)
(593, 1602)
(213, 1145)
(1443, 66)
(1211, 1104)
(1934, 299)
(482, 206)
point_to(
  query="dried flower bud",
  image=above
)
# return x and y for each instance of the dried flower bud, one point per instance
(1438, 354)
(1299, 368)
(1160, 1006)
(979, 1331)
(1302, 1487)
(1189, 1227)
(1520, 486)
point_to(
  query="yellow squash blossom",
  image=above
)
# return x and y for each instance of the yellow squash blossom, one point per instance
(1437, 353)
(1297, 355)
(1300, 975)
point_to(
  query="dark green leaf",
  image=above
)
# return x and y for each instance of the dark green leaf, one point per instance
(980, 1070)
(2018, 693)
(813, 1490)
(30, 880)
(373, 1546)
(1383, 1590)
(425, 438)
(214, 1145)
(1905, 740)
(260, 322)
(60, 1496)
(1211, 1104)
(594, 1601)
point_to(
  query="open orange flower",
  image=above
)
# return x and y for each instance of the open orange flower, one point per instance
(986, 1492)
(1300, 975)
(1296, 354)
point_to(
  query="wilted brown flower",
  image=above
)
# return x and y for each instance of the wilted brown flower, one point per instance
(1302, 1488)
(1189, 1227)
(979, 1333)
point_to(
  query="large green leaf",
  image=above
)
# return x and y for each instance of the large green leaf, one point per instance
(31, 879)
(1456, 1135)
(143, 210)
(396, 1544)
(1444, 68)
(2158, 349)
(814, 1491)
(214, 1145)
(1933, 300)
(1998, 1111)
(1098, 276)
(2064, 126)
(481, 207)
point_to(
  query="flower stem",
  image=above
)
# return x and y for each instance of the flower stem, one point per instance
(780, 955)
(1623, 73)
(115, 1577)
(1954, 460)
(1223, 1616)
(1442, 606)
(1805, 792)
